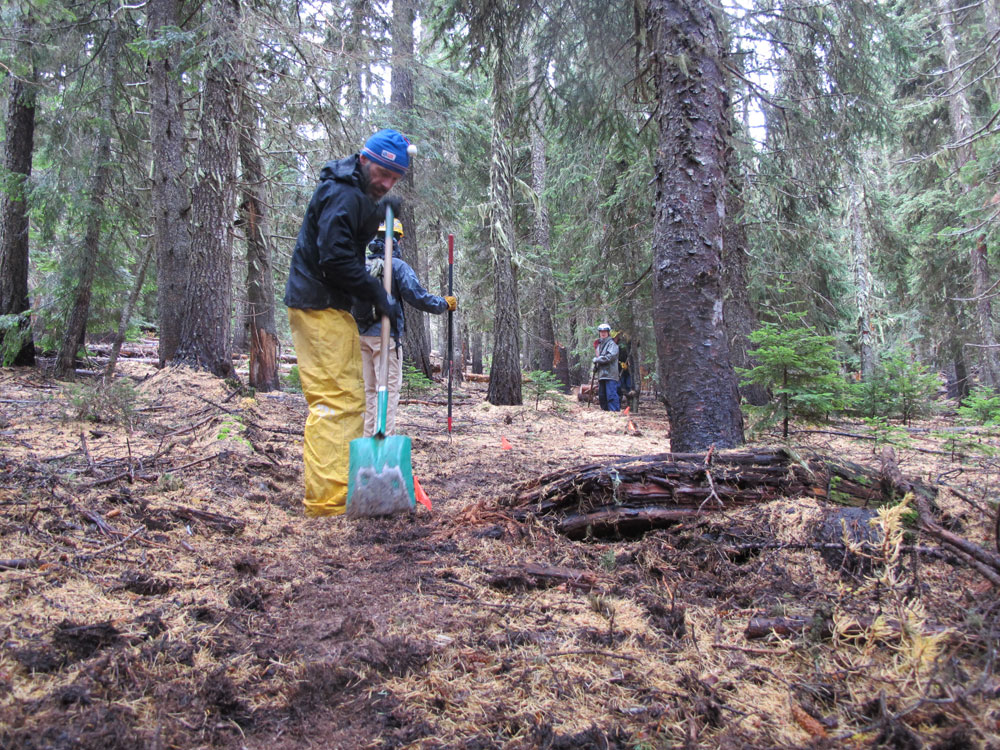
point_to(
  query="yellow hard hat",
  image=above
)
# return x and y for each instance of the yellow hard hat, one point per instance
(397, 227)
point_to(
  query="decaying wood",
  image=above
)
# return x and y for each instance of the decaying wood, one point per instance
(535, 576)
(227, 524)
(860, 629)
(18, 564)
(636, 494)
(980, 558)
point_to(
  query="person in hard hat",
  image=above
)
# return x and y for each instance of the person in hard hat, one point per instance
(606, 369)
(327, 273)
(406, 288)
(626, 383)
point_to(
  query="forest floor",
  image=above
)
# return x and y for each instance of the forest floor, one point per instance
(161, 588)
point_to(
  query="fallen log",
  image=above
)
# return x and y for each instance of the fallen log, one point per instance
(227, 524)
(636, 494)
(980, 558)
(858, 629)
(21, 563)
(538, 576)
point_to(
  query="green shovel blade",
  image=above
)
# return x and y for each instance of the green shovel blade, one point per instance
(380, 480)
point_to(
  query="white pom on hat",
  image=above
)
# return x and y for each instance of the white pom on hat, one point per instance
(412, 149)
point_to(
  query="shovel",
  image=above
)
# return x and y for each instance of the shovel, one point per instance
(380, 475)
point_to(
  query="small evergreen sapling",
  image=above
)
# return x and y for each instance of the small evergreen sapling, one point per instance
(542, 384)
(798, 368)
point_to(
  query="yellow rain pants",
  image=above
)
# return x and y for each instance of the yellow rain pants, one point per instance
(329, 356)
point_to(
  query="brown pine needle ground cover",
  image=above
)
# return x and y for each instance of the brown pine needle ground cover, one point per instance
(160, 588)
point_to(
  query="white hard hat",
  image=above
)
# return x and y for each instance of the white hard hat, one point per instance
(604, 327)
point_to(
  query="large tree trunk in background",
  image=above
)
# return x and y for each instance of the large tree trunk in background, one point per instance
(126, 316)
(738, 314)
(416, 342)
(505, 370)
(960, 115)
(76, 324)
(695, 371)
(862, 283)
(984, 313)
(477, 351)
(170, 199)
(207, 305)
(576, 370)
(17, 152)
(955, 347)
(356, 59)
(544, 340)
(263, 332)
(991, 9)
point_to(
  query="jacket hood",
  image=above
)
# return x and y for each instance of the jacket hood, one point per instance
(344, 170)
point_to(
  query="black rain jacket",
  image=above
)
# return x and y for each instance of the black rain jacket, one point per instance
(328, 263)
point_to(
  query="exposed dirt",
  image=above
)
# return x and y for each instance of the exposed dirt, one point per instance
(160, 588)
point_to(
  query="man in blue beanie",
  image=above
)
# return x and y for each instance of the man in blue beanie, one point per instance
(327, 272)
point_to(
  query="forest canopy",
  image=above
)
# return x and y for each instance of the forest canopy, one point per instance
(688, 172)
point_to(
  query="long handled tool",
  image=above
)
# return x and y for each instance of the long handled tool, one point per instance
(593, 374)
(380, 475)
(451, 359)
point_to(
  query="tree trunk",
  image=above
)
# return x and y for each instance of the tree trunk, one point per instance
(356, 51)
(955, 348)
(416, 342)
(263, 332)
(207, 304)
(477, 351)
(76, 325)
(505, 370)
(170, 198)
(959, 113)
(544, 339)
(984, 313)
(696, 374)
(126, 316)
(575, 363)
(862, 283)
(17, 153)
(738, 315)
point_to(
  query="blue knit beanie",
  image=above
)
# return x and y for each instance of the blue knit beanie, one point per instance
(388, 148)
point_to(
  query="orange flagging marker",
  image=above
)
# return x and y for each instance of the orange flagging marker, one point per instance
(504, 444)
(421, 496)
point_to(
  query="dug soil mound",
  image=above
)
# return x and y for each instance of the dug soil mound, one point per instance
(160, 587)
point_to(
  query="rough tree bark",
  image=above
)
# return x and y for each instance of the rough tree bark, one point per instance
(862, 283)
(477, 351)
(17, 152)
(170, 198)
(696, 374)
(126, 316)
(960, 115)
(76, 324)
(263, 332)
(544, 334)
(207, 303)
(505, 371)
(416, 343)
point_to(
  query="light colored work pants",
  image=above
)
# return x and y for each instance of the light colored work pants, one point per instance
(326, 345)
(371, 347)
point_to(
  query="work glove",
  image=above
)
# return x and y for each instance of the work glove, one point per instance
(624, 366)
(386, 305)
(595, 360)
(452, 302)
(391, 200)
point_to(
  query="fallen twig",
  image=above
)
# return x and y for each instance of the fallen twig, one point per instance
(108, 548)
